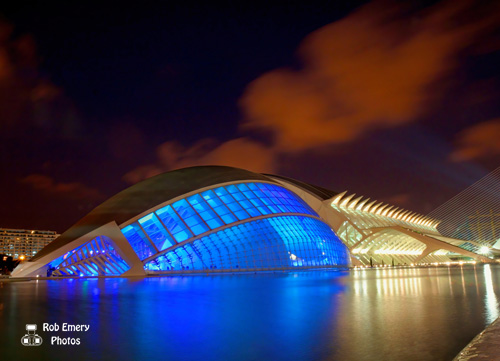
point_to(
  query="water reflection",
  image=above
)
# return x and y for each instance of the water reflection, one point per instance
(490, 299)
(390, 282)
(381, 314)
(416, 314)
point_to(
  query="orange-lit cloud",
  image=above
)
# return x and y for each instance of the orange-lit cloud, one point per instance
(478, 141)
(240, 152)
(400, 200)
(72, 190)
(372, 69)
(376, 68)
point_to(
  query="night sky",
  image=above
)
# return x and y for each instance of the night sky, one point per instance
(398, 101)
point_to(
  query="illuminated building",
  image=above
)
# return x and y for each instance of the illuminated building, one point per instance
(200, 219)
(220, 219)
(378, 233)
(24, 243)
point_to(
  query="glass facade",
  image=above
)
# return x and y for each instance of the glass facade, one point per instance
(95, 258)
(243, 226)
(137, 240)
(207, 211)
(280, 242)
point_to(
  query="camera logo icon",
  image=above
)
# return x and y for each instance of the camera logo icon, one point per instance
(31, 338)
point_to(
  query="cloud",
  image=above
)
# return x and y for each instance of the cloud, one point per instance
(478, 141)
(72, 190)
(400, 199)
(372, 69)
(29, 100)
(377, 68)
(239, 152)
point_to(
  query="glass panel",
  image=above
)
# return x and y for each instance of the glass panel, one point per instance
(201, 206)
(174, 224)
(250, 208)
(156, 232)
(232, 189)
(225, 197)
(219, 207)
(138, 241)
(192, 219)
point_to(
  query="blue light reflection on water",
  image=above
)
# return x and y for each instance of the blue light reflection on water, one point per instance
(389, 314)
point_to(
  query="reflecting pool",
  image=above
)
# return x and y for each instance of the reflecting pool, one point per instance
(374, 314)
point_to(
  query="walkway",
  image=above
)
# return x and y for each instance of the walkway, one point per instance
(485, 346)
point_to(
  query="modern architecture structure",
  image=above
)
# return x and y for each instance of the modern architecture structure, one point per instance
(24, 243)
(379, 233)
(473, 215)
(221, 219)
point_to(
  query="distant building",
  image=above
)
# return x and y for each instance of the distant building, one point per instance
(24, 242)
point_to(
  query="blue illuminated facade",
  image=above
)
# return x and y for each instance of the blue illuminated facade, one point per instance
(280, 242)
(95, 258)
(207, 211)
(195, 233)
(245, 226)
